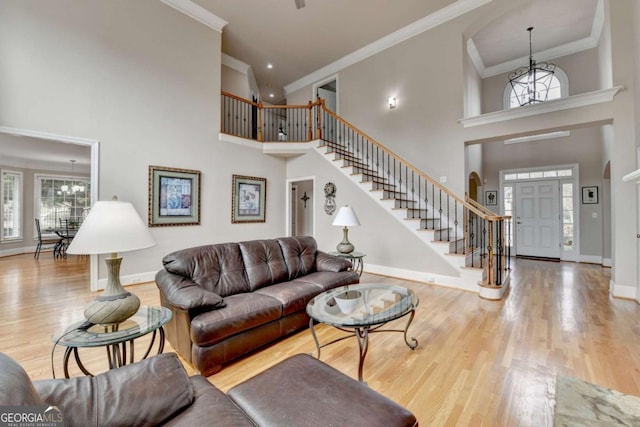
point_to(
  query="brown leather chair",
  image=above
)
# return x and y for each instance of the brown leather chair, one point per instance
(299, 391)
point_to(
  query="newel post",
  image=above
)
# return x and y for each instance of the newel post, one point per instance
(319, 118)
(490, 273)
(310, 121)
(260, 136)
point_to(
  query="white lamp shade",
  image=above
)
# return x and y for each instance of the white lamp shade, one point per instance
(111, 226)
(346, 217)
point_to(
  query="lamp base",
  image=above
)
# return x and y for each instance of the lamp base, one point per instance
(345, 247)
(114, 305)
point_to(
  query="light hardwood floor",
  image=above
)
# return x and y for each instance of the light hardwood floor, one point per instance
(479, 363)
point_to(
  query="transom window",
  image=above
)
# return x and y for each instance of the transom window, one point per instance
(555, 173)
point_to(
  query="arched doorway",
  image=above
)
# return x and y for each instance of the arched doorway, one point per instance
(474, 183)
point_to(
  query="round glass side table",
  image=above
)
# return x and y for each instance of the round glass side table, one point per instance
(117, 339)
(357, 264)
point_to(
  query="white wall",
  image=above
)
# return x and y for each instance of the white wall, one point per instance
(144, 80)
(385, 240)
(235, 82)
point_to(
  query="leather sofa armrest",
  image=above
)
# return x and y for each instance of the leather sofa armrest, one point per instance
(148, 392)
(326, 262)
(185, 294)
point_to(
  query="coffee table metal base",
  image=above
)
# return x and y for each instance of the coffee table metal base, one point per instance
(362, 335)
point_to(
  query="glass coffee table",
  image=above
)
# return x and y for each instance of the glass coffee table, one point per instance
(362, 309)
(147, 320)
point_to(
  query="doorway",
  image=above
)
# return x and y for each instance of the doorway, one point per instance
(328, 90)
(300, 210)
(538, 219)
(474, 183)
(63, 144)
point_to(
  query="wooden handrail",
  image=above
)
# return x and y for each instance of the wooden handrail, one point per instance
(409, 165)
(237, 98)
(478, 205)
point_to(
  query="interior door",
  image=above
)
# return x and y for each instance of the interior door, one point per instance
(538, 219)
(328, 93)
(293, 206)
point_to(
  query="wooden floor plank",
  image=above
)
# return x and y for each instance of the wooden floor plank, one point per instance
(479, 362)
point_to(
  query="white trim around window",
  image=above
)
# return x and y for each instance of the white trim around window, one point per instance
(12, 207)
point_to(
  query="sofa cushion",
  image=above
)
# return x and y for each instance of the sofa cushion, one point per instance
(293, 295)
(263, 262)
(299, 254)
(327, 280)
(16, 387)
(217, 268)
(210, 407)
(326, 262)
(185, 294)
(147, 392)
(243, 312)
(303, 391)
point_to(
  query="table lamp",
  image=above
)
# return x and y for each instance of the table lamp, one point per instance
(111, 227)
(346, 218)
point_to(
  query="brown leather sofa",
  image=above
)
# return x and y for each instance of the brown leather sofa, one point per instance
(231, 298)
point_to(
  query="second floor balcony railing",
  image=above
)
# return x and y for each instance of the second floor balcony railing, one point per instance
(269, 123)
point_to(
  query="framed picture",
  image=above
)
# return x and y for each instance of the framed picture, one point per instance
(174, 196)
(490, 198)
(249, 199)
(589, 195)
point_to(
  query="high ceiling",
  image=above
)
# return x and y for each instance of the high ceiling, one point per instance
(300, 41)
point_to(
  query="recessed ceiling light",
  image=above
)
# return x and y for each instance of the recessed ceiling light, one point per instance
(271, 95)
(269, 66)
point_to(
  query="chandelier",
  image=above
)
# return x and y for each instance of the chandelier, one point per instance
(531, 84)
(74, 186)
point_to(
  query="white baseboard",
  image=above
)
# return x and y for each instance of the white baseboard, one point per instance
(606, 262)
(591, 259)
(131, 279)
(622, 291)
(463, 283)
(19, 251)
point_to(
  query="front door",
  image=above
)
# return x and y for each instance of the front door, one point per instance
(538, 219)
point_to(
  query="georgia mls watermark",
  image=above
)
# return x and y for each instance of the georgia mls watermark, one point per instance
(31, 416)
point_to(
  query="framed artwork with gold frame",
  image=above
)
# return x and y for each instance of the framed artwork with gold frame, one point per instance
(174, 196)
(248, 199)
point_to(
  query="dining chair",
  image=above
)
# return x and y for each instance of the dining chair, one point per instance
(66, 235)
(45, 243)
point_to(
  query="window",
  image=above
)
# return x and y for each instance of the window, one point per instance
(507, 208)
(567, 217)
(60, 197)
(11, 215)
(558, 88)
(562, 173)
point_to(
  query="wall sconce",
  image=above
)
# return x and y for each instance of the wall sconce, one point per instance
(392, 103)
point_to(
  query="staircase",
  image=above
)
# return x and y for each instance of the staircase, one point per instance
(467, 236)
